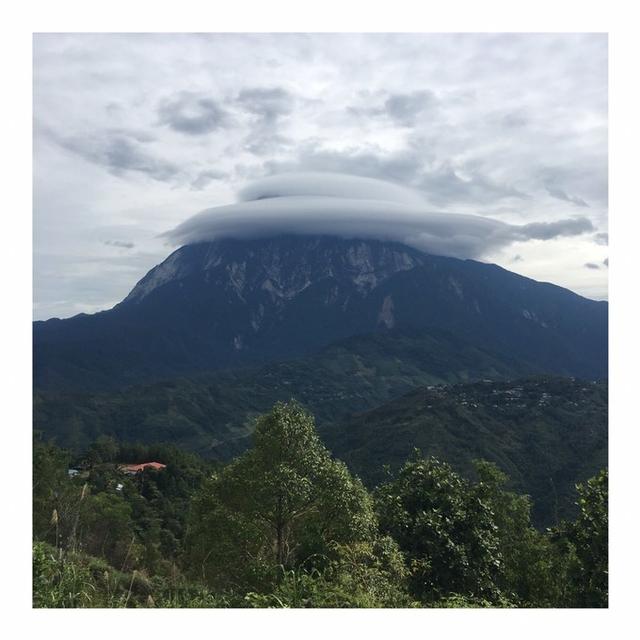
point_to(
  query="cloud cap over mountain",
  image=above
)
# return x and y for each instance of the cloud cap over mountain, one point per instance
(353, 206)
(134, 132)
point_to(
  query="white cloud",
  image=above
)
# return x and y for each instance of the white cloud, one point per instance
(329, 185)
(351, 206)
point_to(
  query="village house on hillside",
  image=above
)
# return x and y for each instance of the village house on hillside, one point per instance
(133, 469)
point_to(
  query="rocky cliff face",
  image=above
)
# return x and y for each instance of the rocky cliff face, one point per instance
(283, 267)
(231, 303)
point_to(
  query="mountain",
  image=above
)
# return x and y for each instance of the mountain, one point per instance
(237, 303)
(546, 433)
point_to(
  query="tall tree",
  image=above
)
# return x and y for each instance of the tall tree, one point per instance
(446, 531)
(279, 504)
(533, 570)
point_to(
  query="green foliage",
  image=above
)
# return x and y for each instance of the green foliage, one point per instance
(108, 529)
(590, 536)
(192, 597)
(531, 572)
(367, 574)
(72, 580)
(358, 575)
(57, 583)
(286, 525)
(50, 486)
(472, 544)
(457, 601)
(447, 533)
(276, 505)
(103, 449)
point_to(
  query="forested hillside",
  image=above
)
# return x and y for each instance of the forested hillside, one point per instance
(211, 414)
(287, 525)
(546, 433)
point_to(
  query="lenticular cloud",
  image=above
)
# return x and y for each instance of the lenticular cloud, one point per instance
(356, 207)
(329, 185)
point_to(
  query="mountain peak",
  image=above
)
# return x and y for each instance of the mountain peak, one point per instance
(284, 266)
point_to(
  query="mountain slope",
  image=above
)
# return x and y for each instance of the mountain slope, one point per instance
(233, 303)
(545, 433)
(212, 413)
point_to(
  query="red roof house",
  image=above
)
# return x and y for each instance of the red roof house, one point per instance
(132, 469)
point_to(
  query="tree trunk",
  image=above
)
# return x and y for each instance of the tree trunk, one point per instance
(280, 526)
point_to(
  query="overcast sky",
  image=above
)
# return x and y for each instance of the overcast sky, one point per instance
(134, 134)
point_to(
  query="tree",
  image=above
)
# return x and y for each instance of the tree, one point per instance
(107, 529)
(590, 535)
(103, 449)
(280, 504)
(446, 531)
(50, 487)
(533, 571)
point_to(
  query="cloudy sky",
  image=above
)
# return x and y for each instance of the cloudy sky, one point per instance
(134, 134)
